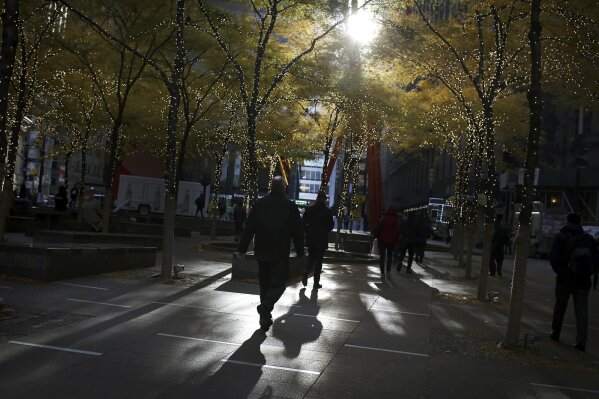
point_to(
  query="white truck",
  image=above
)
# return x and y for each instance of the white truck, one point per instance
(146, 195)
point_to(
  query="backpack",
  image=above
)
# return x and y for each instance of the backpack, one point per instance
(580, 257)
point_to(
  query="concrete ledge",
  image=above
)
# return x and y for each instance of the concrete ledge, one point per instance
(202, 225)
(360, 247)
(75, 225)
(47, 264)
(23, 224)
(145, 229)
(78, 237)
(355, 242)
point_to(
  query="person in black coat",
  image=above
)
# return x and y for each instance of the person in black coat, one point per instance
(200, 203)
(61, 199)
(566, 243)
(273, 222)
(239, 216)
(318, 221)
(407, 241)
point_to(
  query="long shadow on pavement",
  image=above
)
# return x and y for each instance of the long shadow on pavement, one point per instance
(236, 377)
(292, 337)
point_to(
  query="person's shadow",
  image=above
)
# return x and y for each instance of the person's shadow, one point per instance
(295, 331)
(238, 375)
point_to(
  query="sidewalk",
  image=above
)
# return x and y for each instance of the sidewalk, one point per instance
(360, 336)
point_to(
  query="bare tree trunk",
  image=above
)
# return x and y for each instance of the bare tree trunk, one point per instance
(84, 161)
(486, 259)
(489, 210)
(170, 184)
(455, 246)
(217, 177)
(109, 178)
(523, 238)
(469, 247)
(67, 161)
(251, 186)
(13, 145)
(10, 40)
(458, 243)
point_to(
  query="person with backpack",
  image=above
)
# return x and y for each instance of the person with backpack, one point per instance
(574, 258)
(387, 232)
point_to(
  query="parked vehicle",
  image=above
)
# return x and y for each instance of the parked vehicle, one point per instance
(146, 195)
(592, 230)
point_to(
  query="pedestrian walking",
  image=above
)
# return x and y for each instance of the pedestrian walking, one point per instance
(574, 258)
(239, 216)
(407, 240)
(423, 233)
(274, 221)
(74, 193)
(222, 208)
(23, 191)
(511, 234)
(200, 203)
(61, 199)
(449, 232)
(498, 242)
(318, 221)
(386, 233)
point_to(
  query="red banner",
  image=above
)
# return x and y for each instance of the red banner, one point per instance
(375, 184)
(333, 159)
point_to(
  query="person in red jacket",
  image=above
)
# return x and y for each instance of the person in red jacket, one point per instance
(387, 232)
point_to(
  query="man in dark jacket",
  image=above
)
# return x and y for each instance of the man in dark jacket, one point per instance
(408, 238)
(318, 221)
(568, 244)
(273, 221)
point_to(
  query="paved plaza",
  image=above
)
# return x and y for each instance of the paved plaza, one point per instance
(409, 336)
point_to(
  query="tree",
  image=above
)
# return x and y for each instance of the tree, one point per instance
(172, 78)
(74, 116)
(269, 29)
(10, 40)
(114, 81)
(199, 96)
(219, 142)
(34, 29)
(475, 56)
(532, 155)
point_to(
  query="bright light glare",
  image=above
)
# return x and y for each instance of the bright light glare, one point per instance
(362, 26)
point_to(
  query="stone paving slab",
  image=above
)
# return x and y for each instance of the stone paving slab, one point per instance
(333, 385)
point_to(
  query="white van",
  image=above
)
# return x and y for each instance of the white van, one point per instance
(146, 195)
